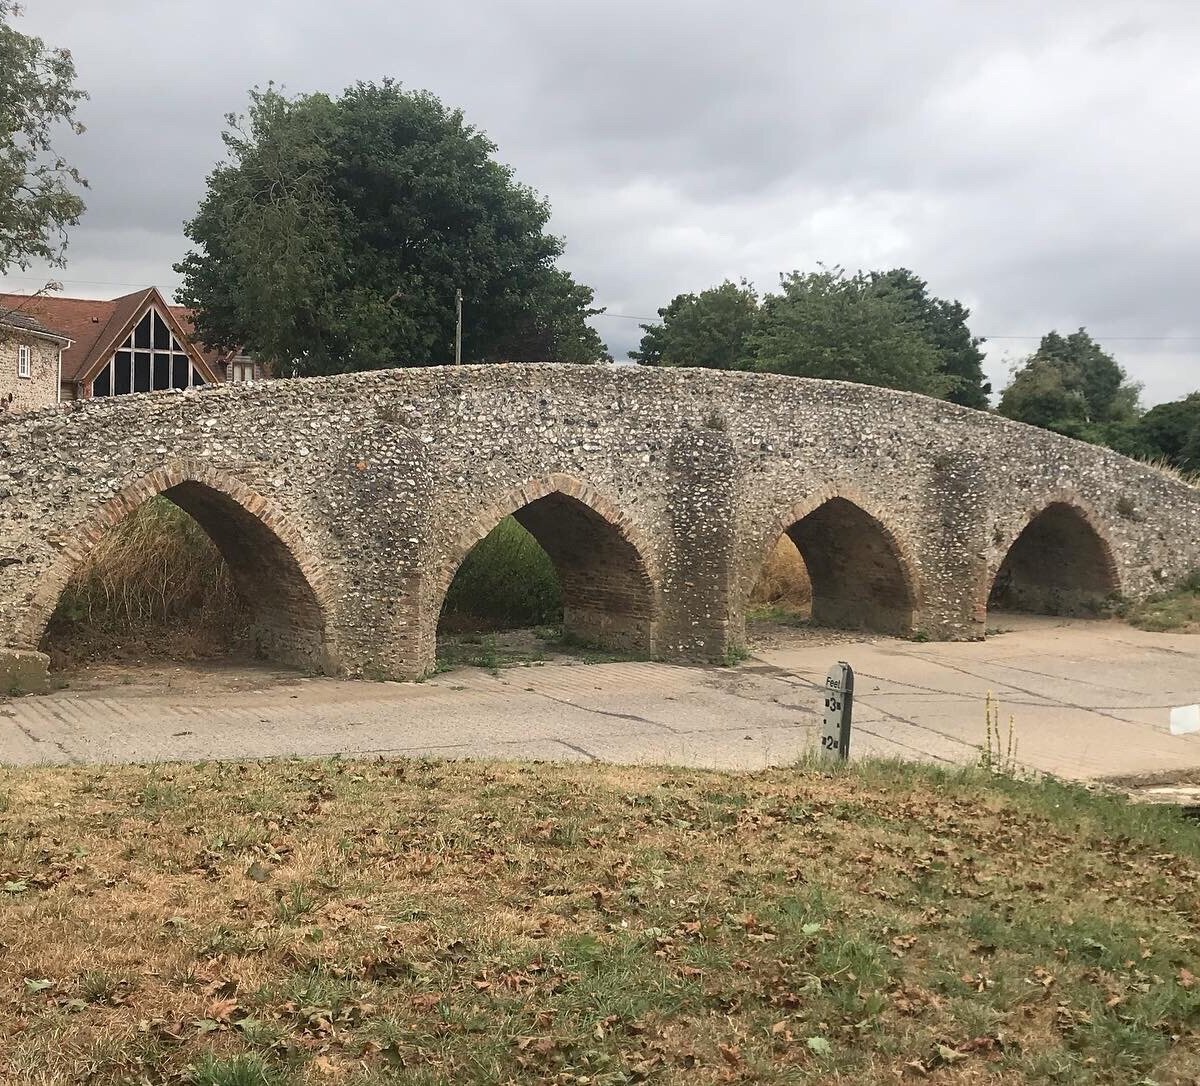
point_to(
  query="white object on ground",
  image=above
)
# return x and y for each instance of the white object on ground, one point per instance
(1185, 720)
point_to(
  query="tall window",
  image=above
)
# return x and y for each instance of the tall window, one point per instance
(24, 362)
(150, 360)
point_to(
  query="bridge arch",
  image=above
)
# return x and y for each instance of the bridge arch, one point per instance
(273, 568)
(862, 572)
(1059, 562)
(609, 579)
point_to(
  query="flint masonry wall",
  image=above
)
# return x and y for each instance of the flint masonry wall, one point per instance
(344, 505)
(40, 388)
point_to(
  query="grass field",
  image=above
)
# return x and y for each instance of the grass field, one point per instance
(404, 922)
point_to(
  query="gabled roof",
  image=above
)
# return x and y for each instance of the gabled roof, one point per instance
(97, 326)
(20, 321)
(187, 322)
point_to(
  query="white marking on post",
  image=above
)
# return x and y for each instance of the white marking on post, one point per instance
(839, 706)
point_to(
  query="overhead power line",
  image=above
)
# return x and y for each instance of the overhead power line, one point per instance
(653, 320)
(1094, 335)
(1113, 339)
(77, 282)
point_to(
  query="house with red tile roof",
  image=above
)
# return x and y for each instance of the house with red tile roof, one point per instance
(121, 346)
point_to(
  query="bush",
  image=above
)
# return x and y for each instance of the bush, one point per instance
(506, 581)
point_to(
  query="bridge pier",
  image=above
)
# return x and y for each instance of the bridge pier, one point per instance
(701, 532)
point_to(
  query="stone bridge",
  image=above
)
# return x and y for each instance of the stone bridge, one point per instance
(344, 505)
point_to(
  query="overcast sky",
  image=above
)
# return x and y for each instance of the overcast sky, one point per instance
(1037, 160)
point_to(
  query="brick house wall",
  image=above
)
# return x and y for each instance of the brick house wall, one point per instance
(40, 388)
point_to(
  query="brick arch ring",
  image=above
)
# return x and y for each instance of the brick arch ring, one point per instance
(848, 493)
(1026, 517)
(513, 501)
(86, 536)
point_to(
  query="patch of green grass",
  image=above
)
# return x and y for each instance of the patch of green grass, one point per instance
(1175, 611)
(241, 1070)
(781, 614)
(97, 986)
(294, 903)
(159, 794)
(226, 940)
(734, 655)
(507, 580)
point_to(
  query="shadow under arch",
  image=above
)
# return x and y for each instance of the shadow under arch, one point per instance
(609, 583)
(861, 574)
(1060, 563)
(267, 558)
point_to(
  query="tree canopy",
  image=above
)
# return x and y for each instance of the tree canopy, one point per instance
(1171, 432)
(336, 233)
(707, 329)
(1074, 387)
(38, 197)
(837, 326)
(880, 328)
(944, 324)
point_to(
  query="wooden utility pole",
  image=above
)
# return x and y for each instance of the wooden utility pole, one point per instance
(458, 328)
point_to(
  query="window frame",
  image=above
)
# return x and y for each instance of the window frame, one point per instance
(177, 353)
(24, 362)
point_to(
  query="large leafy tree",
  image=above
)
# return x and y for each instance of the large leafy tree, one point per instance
(944, 324)
(707, 329)
(336, 233)
(833, 325)
(1073, 386)
(38, 188)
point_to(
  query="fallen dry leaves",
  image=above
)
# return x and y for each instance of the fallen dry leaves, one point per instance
(342, 921)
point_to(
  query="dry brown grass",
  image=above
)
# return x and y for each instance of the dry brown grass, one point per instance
(154, 587)
(784, 579)
(1160, 464)
(305, 922)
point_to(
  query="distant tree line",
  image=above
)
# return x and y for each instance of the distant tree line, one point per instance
(876, 328)
(885, 328)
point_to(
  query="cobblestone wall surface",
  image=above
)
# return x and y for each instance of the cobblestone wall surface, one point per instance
(345, 504)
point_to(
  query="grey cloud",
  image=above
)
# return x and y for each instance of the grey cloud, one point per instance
(1035, 160)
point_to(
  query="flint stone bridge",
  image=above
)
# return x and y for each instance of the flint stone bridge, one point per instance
(344, 505)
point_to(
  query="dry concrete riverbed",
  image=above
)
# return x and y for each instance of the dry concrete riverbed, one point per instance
(1088, 699)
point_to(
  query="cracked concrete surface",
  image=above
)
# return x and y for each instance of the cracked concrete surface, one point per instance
(1089, 700)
